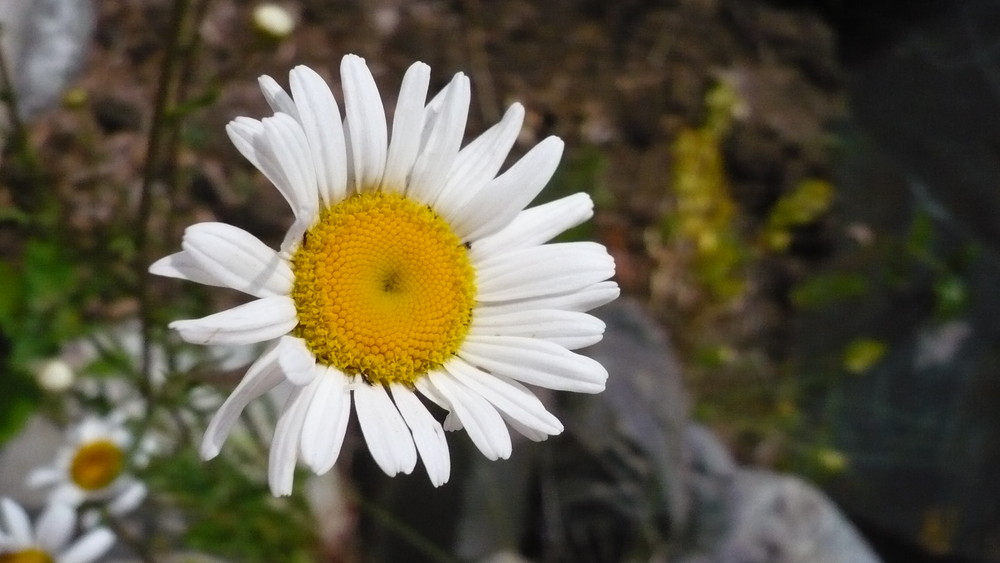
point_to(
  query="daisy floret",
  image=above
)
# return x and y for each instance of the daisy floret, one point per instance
(412, 271)
(49, 540)
(93, 465)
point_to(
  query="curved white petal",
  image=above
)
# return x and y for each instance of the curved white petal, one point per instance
(583, 299)
(535, 362)
(236, 259)
(326, 420)
(276, 96)
(90, 547)
(16, 521)
(270, 155)
(526, 431)
(406, 128)
(366, 128)
(295, 360)
(478, 163)
(431, 169)
(481, 420)
(389, 440)
(182, 266)
(319, 115)
(498, 203)
(508, 396)
(542, 270)
(256, 321)
(536, 225)
(129, 499)
(287, 435)
(55, 526)
(43, 477)
(260, 378)
(427, 434)
(570, 329)
(290, 148)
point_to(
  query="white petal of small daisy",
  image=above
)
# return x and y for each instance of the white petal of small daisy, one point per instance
(428, 435)
(406, 127)
(90, 547)
(479, 418)
(366, 129)
(285, 443)
(535, 362)
(536, 225)
(16, 521)
(256, 321)
(231, 257)
(45, 476)
(389, 439)
(55, 527)
(444, 140)
(508, 396)
(295, 360)
(260, 378)
(129, 499)
(276, 97)
(326, 420)
(542, 270)
(478, 163)
(570, 329)
(319, 115)
(497, 204)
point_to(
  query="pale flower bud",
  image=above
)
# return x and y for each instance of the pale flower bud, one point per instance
(54, 375)
(273, 20)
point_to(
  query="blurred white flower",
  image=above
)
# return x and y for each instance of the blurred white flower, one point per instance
(49, 539)
(93, 465)
(54, 375)
(273, 19)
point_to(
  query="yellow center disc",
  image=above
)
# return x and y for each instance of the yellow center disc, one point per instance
(96, 465)
(383, 288)
(31, 555)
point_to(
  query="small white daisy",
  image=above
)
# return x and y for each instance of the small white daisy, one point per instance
(411, 268)
(49, 540)
(93, 465)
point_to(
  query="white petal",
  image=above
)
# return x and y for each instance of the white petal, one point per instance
(478, 163)
(16, 521)
(290, 148)
(406, 127)
(536, 225)
(55, 526)
(43, 477)
(526, 431)
(427, 434)
(296, 361)
(326, 420)
(535, 362)
(481, 420)
(250, 137)
(182, 266)
(90, 547)
(366, 129)
(510, 397)
(431, 169)
(128, 500)
(243, 132)
(542, 270)
(387, 435)
(236, 259)
(287, 435)
(570, 329)
(319, 115)
(256, 321)
(499, 202)
(260, 378)
(276, 96)
(584, 299)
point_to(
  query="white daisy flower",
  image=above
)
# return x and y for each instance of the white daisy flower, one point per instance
(93, 465)
(49, 540)
(412, 269)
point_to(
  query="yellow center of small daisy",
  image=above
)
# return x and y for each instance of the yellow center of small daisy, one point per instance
(383, 288)
(96, 465)
(31, 555)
